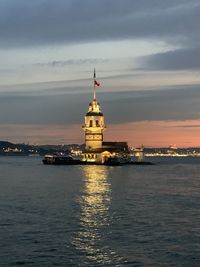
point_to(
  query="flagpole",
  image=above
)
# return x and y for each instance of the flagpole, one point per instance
(94, 89)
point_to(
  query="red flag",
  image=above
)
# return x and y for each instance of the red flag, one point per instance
(96, 83)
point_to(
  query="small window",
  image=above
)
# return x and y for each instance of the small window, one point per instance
(97, 123)
(90, 123)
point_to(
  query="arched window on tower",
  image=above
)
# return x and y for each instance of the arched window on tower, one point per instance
(97, 123)
(90, 123)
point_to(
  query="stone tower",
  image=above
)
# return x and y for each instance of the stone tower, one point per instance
(94, 123)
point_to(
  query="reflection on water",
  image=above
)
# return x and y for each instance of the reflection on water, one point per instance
(94, 217)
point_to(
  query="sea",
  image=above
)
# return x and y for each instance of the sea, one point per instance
(100, 215)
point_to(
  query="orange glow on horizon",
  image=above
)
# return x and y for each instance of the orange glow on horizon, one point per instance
(149, 133)
(157, 133)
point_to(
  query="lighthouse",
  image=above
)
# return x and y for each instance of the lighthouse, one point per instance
(96, 150)
(94, 124)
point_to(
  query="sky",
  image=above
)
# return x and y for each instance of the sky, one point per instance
(147, 58)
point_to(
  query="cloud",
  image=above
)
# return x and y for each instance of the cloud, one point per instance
(188, 126)
(41, 22)
(70, 62)
(69, 108)
(179, 59)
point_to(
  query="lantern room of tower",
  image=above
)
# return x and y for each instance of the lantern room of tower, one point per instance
(94, 119)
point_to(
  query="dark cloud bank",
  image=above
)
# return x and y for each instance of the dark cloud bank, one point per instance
(118, 107)
(47, 22)
(180, 59)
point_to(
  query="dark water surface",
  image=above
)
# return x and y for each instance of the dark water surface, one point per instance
(99, 215)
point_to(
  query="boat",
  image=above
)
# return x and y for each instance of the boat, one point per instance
(57, 159)
(114, 161)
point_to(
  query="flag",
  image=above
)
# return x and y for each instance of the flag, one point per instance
(96, 83)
